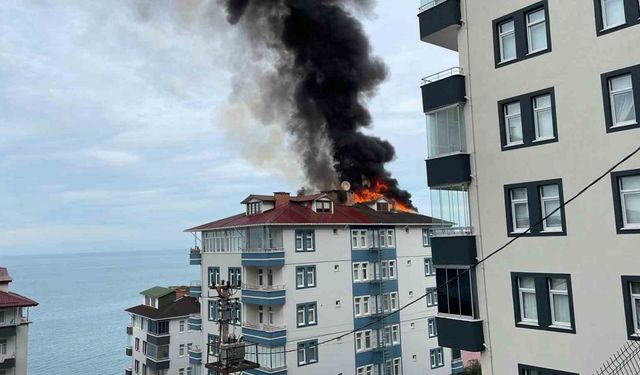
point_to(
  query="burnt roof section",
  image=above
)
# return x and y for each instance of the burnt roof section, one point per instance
(4, 275)
(10, 299)
(292, 214)
(178, 308)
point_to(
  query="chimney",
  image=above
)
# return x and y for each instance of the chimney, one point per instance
(282, 199)
(350, 201)
(5, 279)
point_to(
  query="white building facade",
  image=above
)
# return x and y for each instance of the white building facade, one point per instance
(160, 338)
(546, 99)
(310, 269)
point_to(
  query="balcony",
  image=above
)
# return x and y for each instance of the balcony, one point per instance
(263, 257)
(7, 360)
(128, 371)
(195, 256)
(449, 170)
(443, 89)
(268, 295)
(129, 330)
(460, 334)
(8, 331)
(456, 246)
(128, 351)
(157, 364)
(265, 334)
(195, 322)
(195, 355)
(439, 23)
(195, 289)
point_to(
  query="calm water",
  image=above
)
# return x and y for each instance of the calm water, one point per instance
(79, 326)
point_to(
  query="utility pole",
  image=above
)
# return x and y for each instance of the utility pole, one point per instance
(229, 352)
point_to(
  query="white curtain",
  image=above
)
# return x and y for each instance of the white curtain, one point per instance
(530, 306)
(624, 107)
(632, 208)
(613, 12)
(561, 308)
(538, 37)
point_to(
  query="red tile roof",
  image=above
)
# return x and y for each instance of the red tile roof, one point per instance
(296, 214)
(4, 275)
(9, 299)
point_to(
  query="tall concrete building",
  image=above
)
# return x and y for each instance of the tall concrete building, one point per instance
(14, 328)
(313, 267)
(546, 98)
(161, 337)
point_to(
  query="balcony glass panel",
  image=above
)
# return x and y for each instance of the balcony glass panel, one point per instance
(450, 210)
(445, 132)
(264, 238)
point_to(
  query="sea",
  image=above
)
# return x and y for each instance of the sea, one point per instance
(79, 326)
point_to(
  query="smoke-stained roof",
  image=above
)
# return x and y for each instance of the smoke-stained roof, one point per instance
(292, 214)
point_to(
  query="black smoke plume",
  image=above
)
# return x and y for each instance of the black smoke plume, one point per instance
(329, 66)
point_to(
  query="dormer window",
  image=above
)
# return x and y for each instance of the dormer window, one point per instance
(382, 206)
(323, 206)
(254, 208)
(151, 301)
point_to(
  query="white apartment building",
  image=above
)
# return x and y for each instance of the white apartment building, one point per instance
(546, 99)
(310, 268)
(14, 328)
(161, 335)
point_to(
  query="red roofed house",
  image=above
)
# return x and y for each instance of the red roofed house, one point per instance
(312, 267)
(14, 327)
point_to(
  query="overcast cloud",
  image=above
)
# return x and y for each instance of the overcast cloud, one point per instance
(108, 135)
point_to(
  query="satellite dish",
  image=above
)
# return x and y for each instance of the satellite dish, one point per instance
(345, 185)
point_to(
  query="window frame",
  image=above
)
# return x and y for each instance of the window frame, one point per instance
(306, 308)
(553, 292)
(618, 205)
(501, 37)
(305, 346)
(306, 271)
(514, 203)
(429, 269)
(535, 209)
(528, 121)
(305, 235)
(543, 304)
(543, 199)
(432, 328)
(530, 25)
(521, 31)
(521, 292)
(536, 120)
(524, 370)
(630, 312)
(432, 297)
(433, 358)
(634, 72)
(612, 94)
(632, 17)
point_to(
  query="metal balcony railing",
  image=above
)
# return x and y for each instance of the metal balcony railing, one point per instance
(263, 288)
(428, 5)
(442, 75)
(263, 250)
(452, 231)
(195, 283)
(264, 327)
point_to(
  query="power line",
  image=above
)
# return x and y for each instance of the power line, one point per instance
(481, 261)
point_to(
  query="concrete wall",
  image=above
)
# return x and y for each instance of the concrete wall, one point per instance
(592, 252)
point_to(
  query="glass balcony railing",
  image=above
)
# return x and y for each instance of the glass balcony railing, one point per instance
(450, 209)
(428, 4)
(446, 132)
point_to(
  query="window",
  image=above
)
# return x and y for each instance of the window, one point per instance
(528, 120)
(214, 276)
(393, 367)
(306, 314)
(307, 352)
(519, 209)
(428, 267)
(213, 310)
(621, 97)
(361, 272)
(543, 301)
(235, 277)
(182, 324)
(457, 296)
(364, 341)
(181, 350)
(323, 206)
(382, 206)
(513, 121)
(432, 328)
(189, 371)
(365, 370)
(359, 239)
(528, 205)
(543, 117)
(305, 277)
(254, 208)
(631, 295)
(612, 13)
(550, 204)
(626, 200)
(426, 237)
(395, 334)
(213, 344)
(531, 370)
(305, 240)
(386, 238)
(536, 31)
(136, 366)
(436, 358)
(181, 371)
(137, 344)
(388, 268)
(361, 306)
(528, 304)
(507, 36)
(432, 297)
(393, 301)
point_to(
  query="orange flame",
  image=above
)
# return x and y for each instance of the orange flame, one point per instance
(376, 191)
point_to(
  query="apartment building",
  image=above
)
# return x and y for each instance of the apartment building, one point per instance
(546, 99)
(14, 328)
(161, 334)
(313, 267)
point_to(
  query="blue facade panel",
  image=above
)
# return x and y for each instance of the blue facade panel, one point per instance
(274, 259)
(258, 297)
(277, 338)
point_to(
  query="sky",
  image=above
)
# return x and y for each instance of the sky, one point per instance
(110, 134)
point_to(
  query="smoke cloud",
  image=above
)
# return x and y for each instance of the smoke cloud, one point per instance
(314, 72)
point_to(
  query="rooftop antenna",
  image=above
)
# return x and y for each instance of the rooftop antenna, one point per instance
(345, 185)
